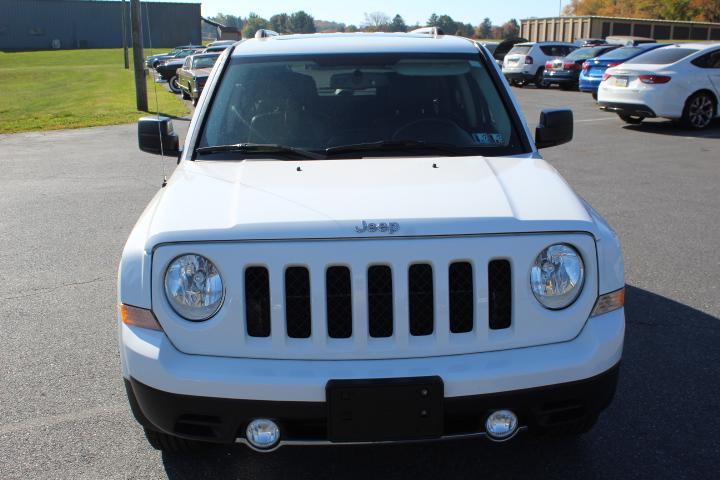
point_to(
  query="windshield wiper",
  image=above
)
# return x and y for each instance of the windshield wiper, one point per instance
(396, 145)
(260, 148)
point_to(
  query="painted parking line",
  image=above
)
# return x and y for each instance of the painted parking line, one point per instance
(599, 119)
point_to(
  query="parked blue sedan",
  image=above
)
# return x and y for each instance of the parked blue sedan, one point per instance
(594, 68)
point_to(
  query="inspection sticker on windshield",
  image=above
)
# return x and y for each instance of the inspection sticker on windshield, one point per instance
(488, 138)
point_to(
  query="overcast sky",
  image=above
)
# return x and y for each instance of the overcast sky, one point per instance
(412, 11)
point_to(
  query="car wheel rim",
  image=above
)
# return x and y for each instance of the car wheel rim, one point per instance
(701, 111)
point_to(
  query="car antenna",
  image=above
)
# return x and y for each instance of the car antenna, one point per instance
(157, 104)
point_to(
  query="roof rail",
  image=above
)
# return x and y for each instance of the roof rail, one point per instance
(264, 33)
(434, 31)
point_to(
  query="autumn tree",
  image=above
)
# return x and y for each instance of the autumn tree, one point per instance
(510, 29)
(706, 10)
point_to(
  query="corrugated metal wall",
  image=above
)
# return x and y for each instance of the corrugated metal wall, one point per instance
(35, 24)
(571, 28)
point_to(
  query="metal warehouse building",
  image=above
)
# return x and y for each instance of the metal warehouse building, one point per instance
(571, 28)
(45, 24)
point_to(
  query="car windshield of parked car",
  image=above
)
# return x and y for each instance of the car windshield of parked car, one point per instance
(520, 49)
(355, 103)
(662, 56)
(204, 61)
(585, 53)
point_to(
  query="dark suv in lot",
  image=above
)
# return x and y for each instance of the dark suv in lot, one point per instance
(565, 71)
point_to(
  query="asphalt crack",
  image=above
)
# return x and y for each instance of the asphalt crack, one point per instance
(41, 291)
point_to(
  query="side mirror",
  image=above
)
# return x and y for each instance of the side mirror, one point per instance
(555, 128)
(157, 135)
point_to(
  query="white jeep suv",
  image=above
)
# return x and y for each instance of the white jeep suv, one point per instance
(361, 243)
(525, 63)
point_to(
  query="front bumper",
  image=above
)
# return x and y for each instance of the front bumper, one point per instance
(222, 420)
(174, 390)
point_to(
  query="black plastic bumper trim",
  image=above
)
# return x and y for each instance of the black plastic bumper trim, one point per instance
(223, 420)
(633, 109)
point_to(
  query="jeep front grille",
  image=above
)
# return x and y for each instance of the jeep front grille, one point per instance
(379, 298)
(338, 295)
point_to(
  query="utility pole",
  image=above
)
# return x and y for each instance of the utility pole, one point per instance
(138, 58)
(123, 11)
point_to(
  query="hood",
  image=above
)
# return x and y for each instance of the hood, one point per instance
(273, 199)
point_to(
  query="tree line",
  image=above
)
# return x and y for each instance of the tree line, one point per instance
(302, 22)
(697, 10)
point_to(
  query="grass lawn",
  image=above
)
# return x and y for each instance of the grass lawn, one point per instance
(72, 88)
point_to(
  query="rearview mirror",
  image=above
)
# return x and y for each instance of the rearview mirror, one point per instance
(157, 135)
(555, 128)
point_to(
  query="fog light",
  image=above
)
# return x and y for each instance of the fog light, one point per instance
(262, 433)
(501, 425)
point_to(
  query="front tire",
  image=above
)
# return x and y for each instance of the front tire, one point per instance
(171, 444)
(173, 84)
(699, 111)
(631, 119)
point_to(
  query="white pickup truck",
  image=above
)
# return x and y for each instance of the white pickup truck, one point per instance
(361, 243)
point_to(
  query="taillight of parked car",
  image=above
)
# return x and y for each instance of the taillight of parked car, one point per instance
(548, 64)
(571, 66)
(606, 76)
(585, 66)
(654, 79)
(528, 60)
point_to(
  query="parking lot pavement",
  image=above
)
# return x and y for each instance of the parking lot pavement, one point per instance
(69, 199)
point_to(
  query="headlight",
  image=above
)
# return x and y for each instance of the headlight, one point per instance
(557, 276)
(193, 287)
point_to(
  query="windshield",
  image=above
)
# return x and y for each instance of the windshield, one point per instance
(328, 101)
(206, 61)
(662, 56)
(520, 49)
(585, 53)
